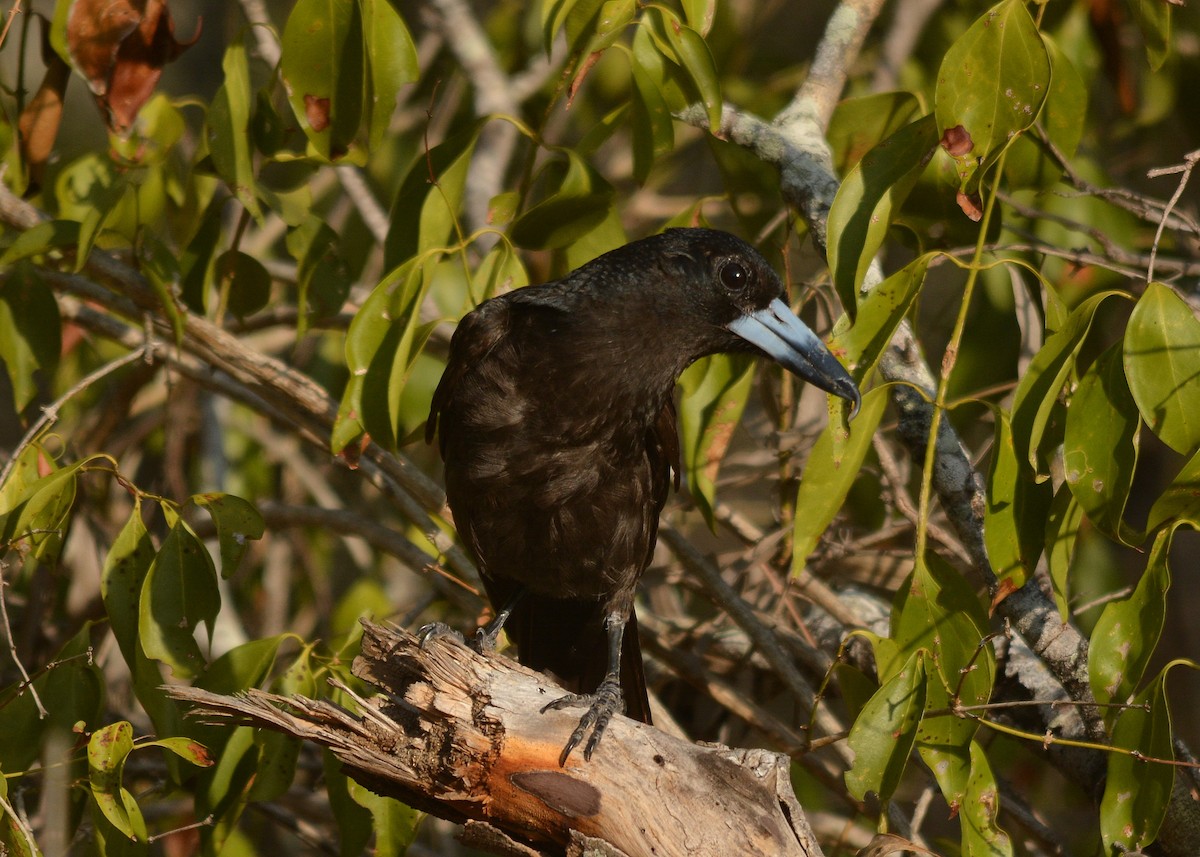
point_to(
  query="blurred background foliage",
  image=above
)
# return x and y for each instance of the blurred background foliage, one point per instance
(225, 301)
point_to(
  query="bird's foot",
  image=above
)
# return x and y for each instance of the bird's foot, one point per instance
(437, 629)
(485, 639)
(602, 705)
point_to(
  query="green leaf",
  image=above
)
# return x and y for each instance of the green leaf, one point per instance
(247, 281)
(35, 522)
(992, 83)
(242, 667)
(237, 521)
(581, 202)
(940, 612)
(500, 271)
(1154, 20)
(40, 239)
(713, 395)
(1014, 521)
(699, 14)
(1127, 632)
(828, 476)
(980, 810)
(1037, 392)
(424, 214)
(229, 140)
(867, 200)
(161, 268)
(184, 748)
(107, 750)
(860, 344)
(883, 735)
(697, 61)
(554, 18)
(178, 593)
(1100, 446)
(88, 191)
(322, 68)
(653, 129)
(1063, 119)
(859, 124)
(30, 330)
(392, 60)
(1062, 529)
(395, 824)
(1181, 501)
(13, 839)
(323, 278)
(1137, 792)
(1162, 362)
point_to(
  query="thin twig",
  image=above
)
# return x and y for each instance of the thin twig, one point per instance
(1189, 163)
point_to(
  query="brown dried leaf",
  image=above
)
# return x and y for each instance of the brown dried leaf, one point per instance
(39, 121)
(316, 111)
(120, 47)
(970, 204)
(957, 141)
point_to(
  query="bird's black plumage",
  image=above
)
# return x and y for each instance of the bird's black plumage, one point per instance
(556, 423)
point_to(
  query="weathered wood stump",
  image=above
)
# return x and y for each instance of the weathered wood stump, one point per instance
(461, 735)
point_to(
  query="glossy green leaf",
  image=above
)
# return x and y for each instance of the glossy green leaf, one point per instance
(1137, 792)
(827, 476)
(107, 750)
(242, 667)
(699, 14)
(1100, 446)
(229, 140)
(1154, 20)
(1014, 521)
(1038, 390)
(883, 734)
(860, 344)
(71, 688)
(323, 279)
(1062, 529)
(713, 395)
(940, 612)
(867, 200)
(500, 271)
(322, 68)
(1127, 632)
(1162, 362)
(197, 260)
(1063, 119)
(392, 60)
(992, 83)
(395, 824)
(88, 190)
(178, 594)
(860, 124)
(1181, 501)
(125, 569)
(30, 331)
(582, 201)
(554, 18)
(238, 522)
(35, 522)
(653, 128)
(982, 835)
(247, 281)
(424, 214)
(43, 238)
(697, 61)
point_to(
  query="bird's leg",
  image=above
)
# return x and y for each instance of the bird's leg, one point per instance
(604, 703)
(485, 637)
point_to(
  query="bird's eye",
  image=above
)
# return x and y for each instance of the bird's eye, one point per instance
(734, 276)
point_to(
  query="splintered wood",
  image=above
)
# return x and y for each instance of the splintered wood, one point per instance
(461, 735)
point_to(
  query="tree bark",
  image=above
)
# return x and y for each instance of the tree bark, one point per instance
(461, 735)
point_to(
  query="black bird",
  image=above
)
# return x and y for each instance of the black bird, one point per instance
(556, 421)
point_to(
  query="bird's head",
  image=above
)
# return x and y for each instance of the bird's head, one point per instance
(738, 298)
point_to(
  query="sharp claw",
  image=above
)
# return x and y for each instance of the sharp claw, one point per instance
(436, 629)
(606, 701)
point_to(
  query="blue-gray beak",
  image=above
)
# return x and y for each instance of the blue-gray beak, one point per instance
(788, 341)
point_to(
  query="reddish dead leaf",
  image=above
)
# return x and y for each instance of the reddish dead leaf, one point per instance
(39, 121)
(1005, 589)
(970, 204)
(316, 111)
(584, 68)
(120, 47)
(957, 141)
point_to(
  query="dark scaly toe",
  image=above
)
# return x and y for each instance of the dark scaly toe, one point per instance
(437, 629)
(484, 640)
(602, 705)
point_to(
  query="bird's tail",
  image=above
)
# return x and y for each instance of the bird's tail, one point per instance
(566, 638)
